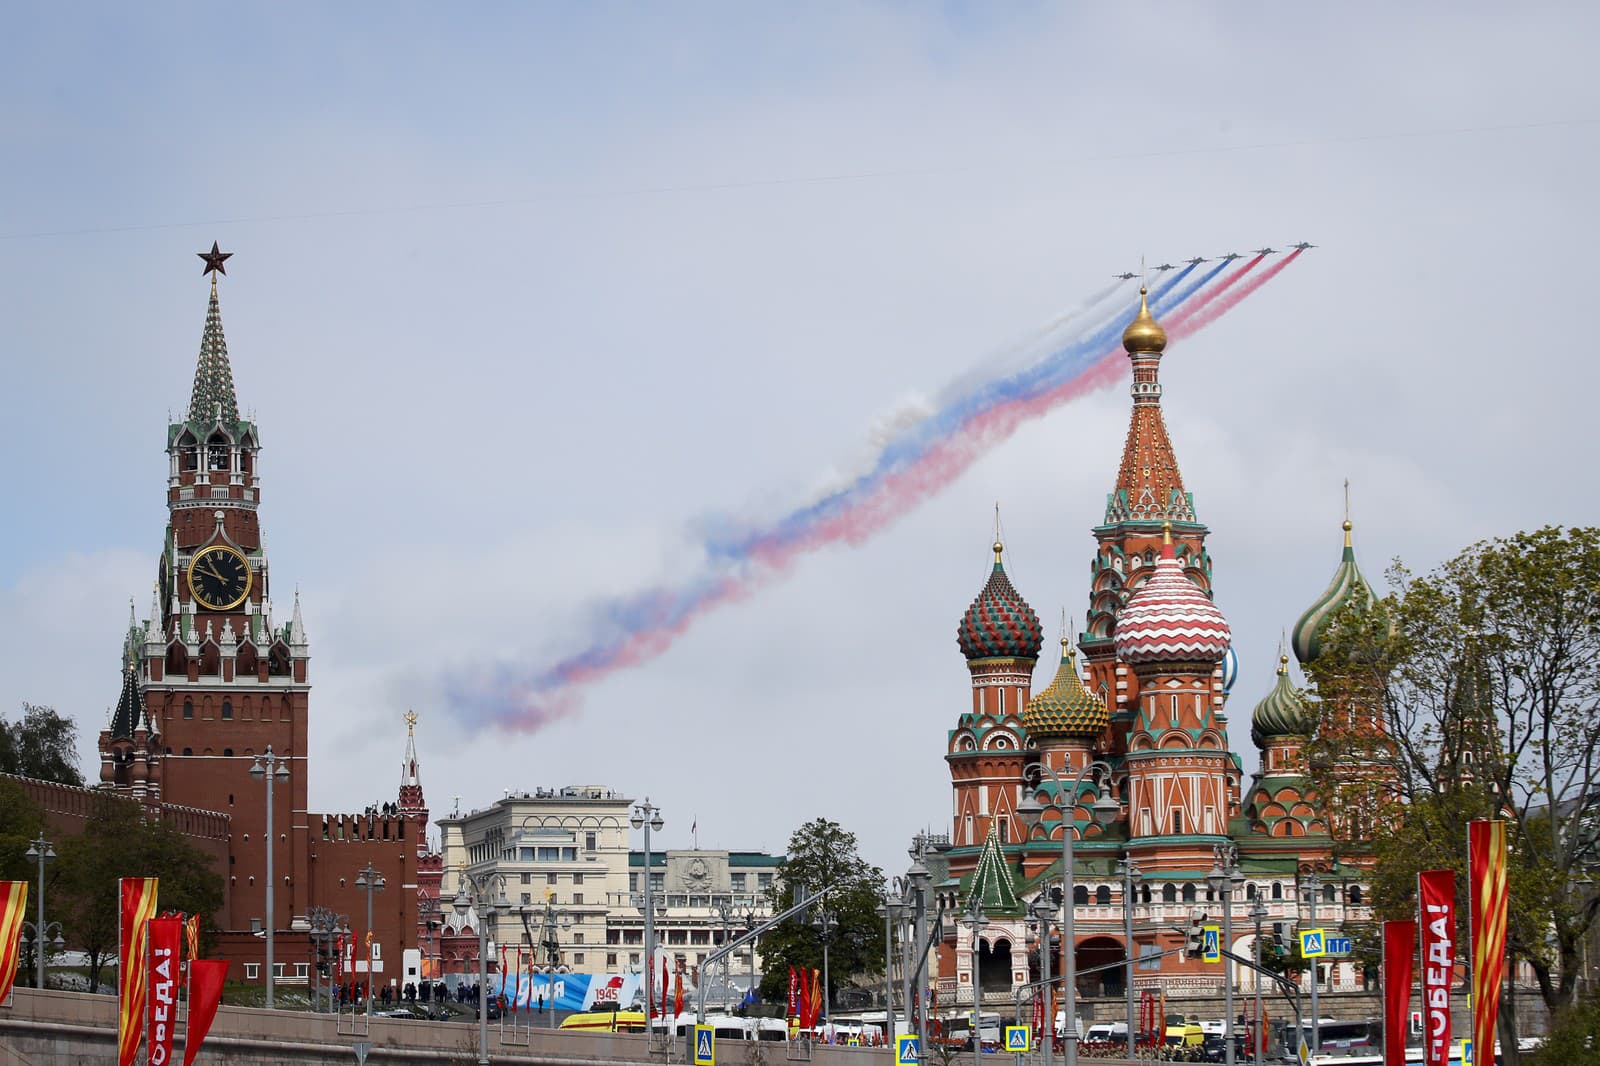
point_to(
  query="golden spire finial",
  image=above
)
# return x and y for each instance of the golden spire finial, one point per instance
(1283, 653)
(1166, 532)
(1347, 526)
(999, 546)
(1144, 333)
(411, 722)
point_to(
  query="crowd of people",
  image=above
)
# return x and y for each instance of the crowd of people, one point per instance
(355, 993)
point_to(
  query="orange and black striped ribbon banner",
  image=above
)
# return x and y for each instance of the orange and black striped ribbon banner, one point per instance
(1436, 898)
(1399, 965)
(1489, 908)
(166, 945)
(13, 905)
(133, 941)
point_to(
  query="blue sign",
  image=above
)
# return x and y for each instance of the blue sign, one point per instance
(1311, 944)
(907, 1051)
(1336, 945)
(1019, 1038)
(1211, 943)
(705, 1045)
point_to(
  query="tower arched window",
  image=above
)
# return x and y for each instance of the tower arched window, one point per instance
(188, 711)
(217, 448)
(188, 751)
(1277, 890)
(1080, 896)
(1355, 893)
(1188, 893)
(1328, 894)
(1003, 828)
(1144, 893)
(227, 709)
(1250, 891)
(1102, 896)
(1169, 893)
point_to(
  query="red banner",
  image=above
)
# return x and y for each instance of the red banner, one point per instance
(13, 905)
(166, 941)
(794, 994)
(133, 943)
(1488, 909)
(1436, 896)
(205, 992)
(1399, 971)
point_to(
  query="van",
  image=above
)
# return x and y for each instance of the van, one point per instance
(1184, 1039)
(1107, 1033)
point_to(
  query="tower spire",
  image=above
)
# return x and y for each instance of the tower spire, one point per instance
(212, 398)
(1149, 487)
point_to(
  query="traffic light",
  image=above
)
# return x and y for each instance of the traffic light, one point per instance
(1193, 939)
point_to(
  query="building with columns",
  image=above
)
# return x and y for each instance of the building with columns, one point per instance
(1138, 723)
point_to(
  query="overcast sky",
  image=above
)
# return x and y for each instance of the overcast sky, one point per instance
(522, 293)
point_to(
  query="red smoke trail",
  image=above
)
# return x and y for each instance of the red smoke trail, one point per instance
(1203, 316)
(1182, 316)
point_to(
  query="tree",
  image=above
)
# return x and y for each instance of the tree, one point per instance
(117, 841)
(21, 821)
(41, 744)
(1485, 677)
(822, 855)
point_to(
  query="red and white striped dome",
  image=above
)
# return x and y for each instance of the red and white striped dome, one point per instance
(1170, 620)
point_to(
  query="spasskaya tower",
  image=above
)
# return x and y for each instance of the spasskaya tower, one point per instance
(220, 678)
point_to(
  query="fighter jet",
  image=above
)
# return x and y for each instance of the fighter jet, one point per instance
(1265, 251)
(1230, 257)
(1196, 261)
(1302, 246)
(1125, 277)
(1165, 266)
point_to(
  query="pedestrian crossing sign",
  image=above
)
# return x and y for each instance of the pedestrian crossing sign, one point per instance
(1466, 1052)
(907, 1051)
(1312, 944)
(1211, 943)
(1019, 1038)
(705, 1046)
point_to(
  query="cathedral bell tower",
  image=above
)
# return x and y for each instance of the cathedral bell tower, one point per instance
(218, 679)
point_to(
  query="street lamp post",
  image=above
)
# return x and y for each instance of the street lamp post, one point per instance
(324, 927)
(1222, 879)
(976, 921)
(555, 923)
(825, 923)
(1131, 876)
(750, 918)
(369, 880)
(40, 851)
(501, 906)
(270, 768)
(1313, 885)
(920, 879)
(647, 816)
(1104, 811)
(1043, 910)
(1258, 912)
(891, 909)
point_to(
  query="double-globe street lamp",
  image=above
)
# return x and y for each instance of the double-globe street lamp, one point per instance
(1043, 911)
(1131, 875)
(552, 925)
(1103, 811)
(369, 880)
(1258, 914)
(976, 921)
(1223, 879)
(891, 910)
(270, 768)
(1313, 887)
(826, 923)
(40, 851)
(647, 816)
(501, 906)
(325, 928)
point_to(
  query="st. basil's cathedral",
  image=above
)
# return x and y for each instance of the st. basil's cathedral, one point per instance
(1141, 726)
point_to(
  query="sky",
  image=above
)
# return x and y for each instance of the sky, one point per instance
(522, 298)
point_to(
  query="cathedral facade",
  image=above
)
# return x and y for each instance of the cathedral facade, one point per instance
(1127, 749)
(214, 679)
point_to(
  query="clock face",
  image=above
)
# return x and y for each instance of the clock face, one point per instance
(219, 578)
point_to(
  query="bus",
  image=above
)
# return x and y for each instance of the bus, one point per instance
(1341, 1038)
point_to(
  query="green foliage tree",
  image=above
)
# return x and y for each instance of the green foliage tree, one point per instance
(118, 841)
(21, 821)
(41, 744)
(1485, 677)
(822, 855)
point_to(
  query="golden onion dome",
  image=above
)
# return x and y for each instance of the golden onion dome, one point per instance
(1144, 333)
(1065, 709)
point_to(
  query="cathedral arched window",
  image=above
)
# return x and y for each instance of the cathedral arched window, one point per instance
(1003, 829)
(227, 709)
(1355, 893)
(1169, 893)
(1080, 896)
(1102, 896)
(1144, 893)
(1188, 893)
(1277, 890)
(1328, 895)
(188, 711)
(1250, 891)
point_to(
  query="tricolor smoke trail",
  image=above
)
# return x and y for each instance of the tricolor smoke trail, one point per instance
(971, 417)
